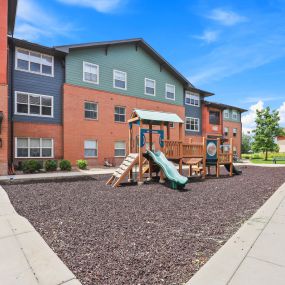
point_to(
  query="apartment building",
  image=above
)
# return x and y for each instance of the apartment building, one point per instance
(74, 101)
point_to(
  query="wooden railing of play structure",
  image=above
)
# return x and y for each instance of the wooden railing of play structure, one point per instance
(224, 158)
(172, 149)
(178, 149)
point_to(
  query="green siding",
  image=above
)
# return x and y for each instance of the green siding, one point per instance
(230, 119)
(137, 63)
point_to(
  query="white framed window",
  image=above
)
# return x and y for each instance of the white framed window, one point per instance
(119, 79)
(149, 87)
(234, 132)
(34, 148)
(31, 104)
(234, 115)
(171, 125)
(90, 110)
(120, 114)
(120, 149)
(226, 114)
(192, 99)
(192, 124)
(90, 72)
(34, 62)
(90, 148)
(170, 91)
(226, 131)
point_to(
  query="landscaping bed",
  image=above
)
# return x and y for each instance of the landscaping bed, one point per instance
(142, 235)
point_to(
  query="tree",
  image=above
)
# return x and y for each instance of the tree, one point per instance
(246, 143)
(267, 129)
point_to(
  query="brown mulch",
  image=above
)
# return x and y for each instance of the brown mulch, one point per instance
(141, 235)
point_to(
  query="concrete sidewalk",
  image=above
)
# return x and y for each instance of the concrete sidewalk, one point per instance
(255, 255)
(25, 258)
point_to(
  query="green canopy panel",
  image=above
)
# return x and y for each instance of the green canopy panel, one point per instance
(156, 117)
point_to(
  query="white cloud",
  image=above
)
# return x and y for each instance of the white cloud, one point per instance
(281, 110)
(208, 36)
(103, 6)
(227, 18)
(248, 119)
(34, 22)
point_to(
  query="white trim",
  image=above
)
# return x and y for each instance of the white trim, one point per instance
(93, 140)
(167, 84)
(189, 130)
(92, 102)
(125, 149)
(124, 107)
(191, 94)
(33, 115)
(34, 157)
(34, 72)
(126, 79)
(236, 113)
(145, 79)
(98, 72)
(228, 114)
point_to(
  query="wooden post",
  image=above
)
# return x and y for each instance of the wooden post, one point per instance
(204, 157)
(168, 131)
(161, 176)
(130, 149)
(140, 180)
(218, 157)
(150, 148)
(180, 146)
(231, 157)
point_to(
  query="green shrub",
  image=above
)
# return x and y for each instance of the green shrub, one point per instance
(31, 166)
(65, 165)
(257, 156)
(81, 164)
(51, 165)
(246, 156)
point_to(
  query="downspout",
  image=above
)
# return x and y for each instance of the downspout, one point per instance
(11, 111)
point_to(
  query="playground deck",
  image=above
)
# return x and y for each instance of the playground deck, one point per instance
(149, 234)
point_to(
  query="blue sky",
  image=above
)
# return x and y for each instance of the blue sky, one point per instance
(235, 49)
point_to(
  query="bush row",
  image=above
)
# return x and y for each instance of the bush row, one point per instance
(32, 166)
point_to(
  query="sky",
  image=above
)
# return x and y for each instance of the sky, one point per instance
(235, 49)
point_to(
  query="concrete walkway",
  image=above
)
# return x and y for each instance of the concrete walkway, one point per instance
(255, 255)
(25, 258)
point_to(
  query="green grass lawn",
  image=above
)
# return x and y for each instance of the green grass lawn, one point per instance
(269, 161)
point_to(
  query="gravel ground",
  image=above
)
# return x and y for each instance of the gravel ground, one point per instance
(141, 235)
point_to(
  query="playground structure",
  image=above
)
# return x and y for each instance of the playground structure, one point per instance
(199, 156)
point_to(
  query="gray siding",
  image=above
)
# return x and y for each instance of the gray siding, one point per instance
(194, 112)
(38, 84)
(230, 119)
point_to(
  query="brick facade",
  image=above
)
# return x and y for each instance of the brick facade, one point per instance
(4, 135)
(35, 130)
(104, 130)
(236, 139)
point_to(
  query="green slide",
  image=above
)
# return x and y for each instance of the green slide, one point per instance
(170, 171)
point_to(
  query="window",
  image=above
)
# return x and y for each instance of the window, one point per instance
(120, 114)
(226, 131)
(149, 87)
(34, 148)
(33, 104)
(91, 110)
(34, 62)
(120, 79)
(171, 125)
(90, 148)
(234, 132)
(214, 117)
(170, 91)
(90, 72)
(192, 124)
(234, 150)
(226, 114)
(120, 149)
(192, 99)
(234, 115)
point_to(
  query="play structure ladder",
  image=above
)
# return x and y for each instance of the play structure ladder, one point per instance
(123, 170)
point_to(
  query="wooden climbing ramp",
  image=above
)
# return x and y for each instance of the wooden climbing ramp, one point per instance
(126, 166)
